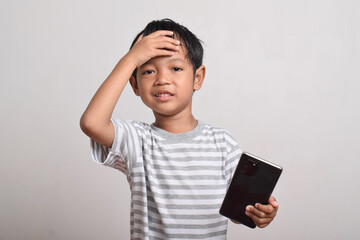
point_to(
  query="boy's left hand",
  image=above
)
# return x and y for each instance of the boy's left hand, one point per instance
(261, 214)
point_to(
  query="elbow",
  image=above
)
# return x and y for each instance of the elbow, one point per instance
(92, 127)
(86, 125)
(97, 131)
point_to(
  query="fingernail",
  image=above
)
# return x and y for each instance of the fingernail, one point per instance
(248, 208)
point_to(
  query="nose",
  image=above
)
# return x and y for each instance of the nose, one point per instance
(162, 78)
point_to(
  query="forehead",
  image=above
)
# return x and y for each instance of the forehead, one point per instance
(178, 56)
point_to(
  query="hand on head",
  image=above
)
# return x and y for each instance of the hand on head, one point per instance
(153, 45)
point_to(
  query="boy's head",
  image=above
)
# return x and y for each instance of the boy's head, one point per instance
(166, 83)
(193, 48)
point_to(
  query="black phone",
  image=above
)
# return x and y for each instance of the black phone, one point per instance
(253, 182)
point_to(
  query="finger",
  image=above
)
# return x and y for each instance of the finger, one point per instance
(268, 208)
(254, 211)
(161, 33)
(168, 40)
(260, 222)
(263, 225)
(273, 202)
(165, 45)
(236, 222)
(164, 52)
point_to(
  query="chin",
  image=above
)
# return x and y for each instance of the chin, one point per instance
(166, 113)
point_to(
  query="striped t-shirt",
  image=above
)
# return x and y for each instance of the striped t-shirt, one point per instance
(177, 181)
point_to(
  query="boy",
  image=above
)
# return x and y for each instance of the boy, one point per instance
(178, 167)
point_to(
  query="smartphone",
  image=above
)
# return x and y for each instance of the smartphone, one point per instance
(253, 182)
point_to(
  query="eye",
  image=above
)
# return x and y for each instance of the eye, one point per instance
(147, 72)
(177, 69)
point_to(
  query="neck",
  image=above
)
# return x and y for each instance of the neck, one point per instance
(175, 124)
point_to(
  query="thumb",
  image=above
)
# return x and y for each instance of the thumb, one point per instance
(139, 38)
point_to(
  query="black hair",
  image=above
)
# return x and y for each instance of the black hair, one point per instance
(192, 44)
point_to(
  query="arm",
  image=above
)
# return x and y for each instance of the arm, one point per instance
(95, 121)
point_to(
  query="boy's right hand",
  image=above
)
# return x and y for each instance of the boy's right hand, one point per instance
(159, 43)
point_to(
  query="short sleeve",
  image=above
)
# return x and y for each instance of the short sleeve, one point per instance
(124, 151)
(233, 157)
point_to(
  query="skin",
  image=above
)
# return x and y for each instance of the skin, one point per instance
(172, 75)
(261, 214)
(165, 82)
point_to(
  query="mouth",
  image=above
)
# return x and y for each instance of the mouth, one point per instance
(163, 95)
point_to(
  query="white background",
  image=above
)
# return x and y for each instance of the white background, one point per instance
(282, 76)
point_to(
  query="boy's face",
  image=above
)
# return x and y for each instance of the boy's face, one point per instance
(166, 84)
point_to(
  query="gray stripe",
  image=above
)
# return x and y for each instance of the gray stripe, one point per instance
(183, 158)
(103, 152)
(181, 177)
(160, 149)
(228, 172)
(139, 212)
(158, 230)
(189, 236)
(120, 166)
(139, 232)
(138, 221)
(170, 137)
(231, 160)
(138, 165)
(100, 152)
(137, 174)
(184, 216)
(184, 187)
(156, 238)
(182, 196)
(196, 226)
(177, 206)
(188, 226)
(201, 227)
(185, 168)
(198, 236)
(190, 172)
(209, 141)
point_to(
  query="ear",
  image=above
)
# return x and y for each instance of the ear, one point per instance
(134, 85)
(199, 77)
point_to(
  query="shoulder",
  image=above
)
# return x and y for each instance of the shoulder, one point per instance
(131, 127)
(131, 124)
(219, 134)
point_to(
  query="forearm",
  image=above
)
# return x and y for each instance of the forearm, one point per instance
(95, 122)
(99, 111)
